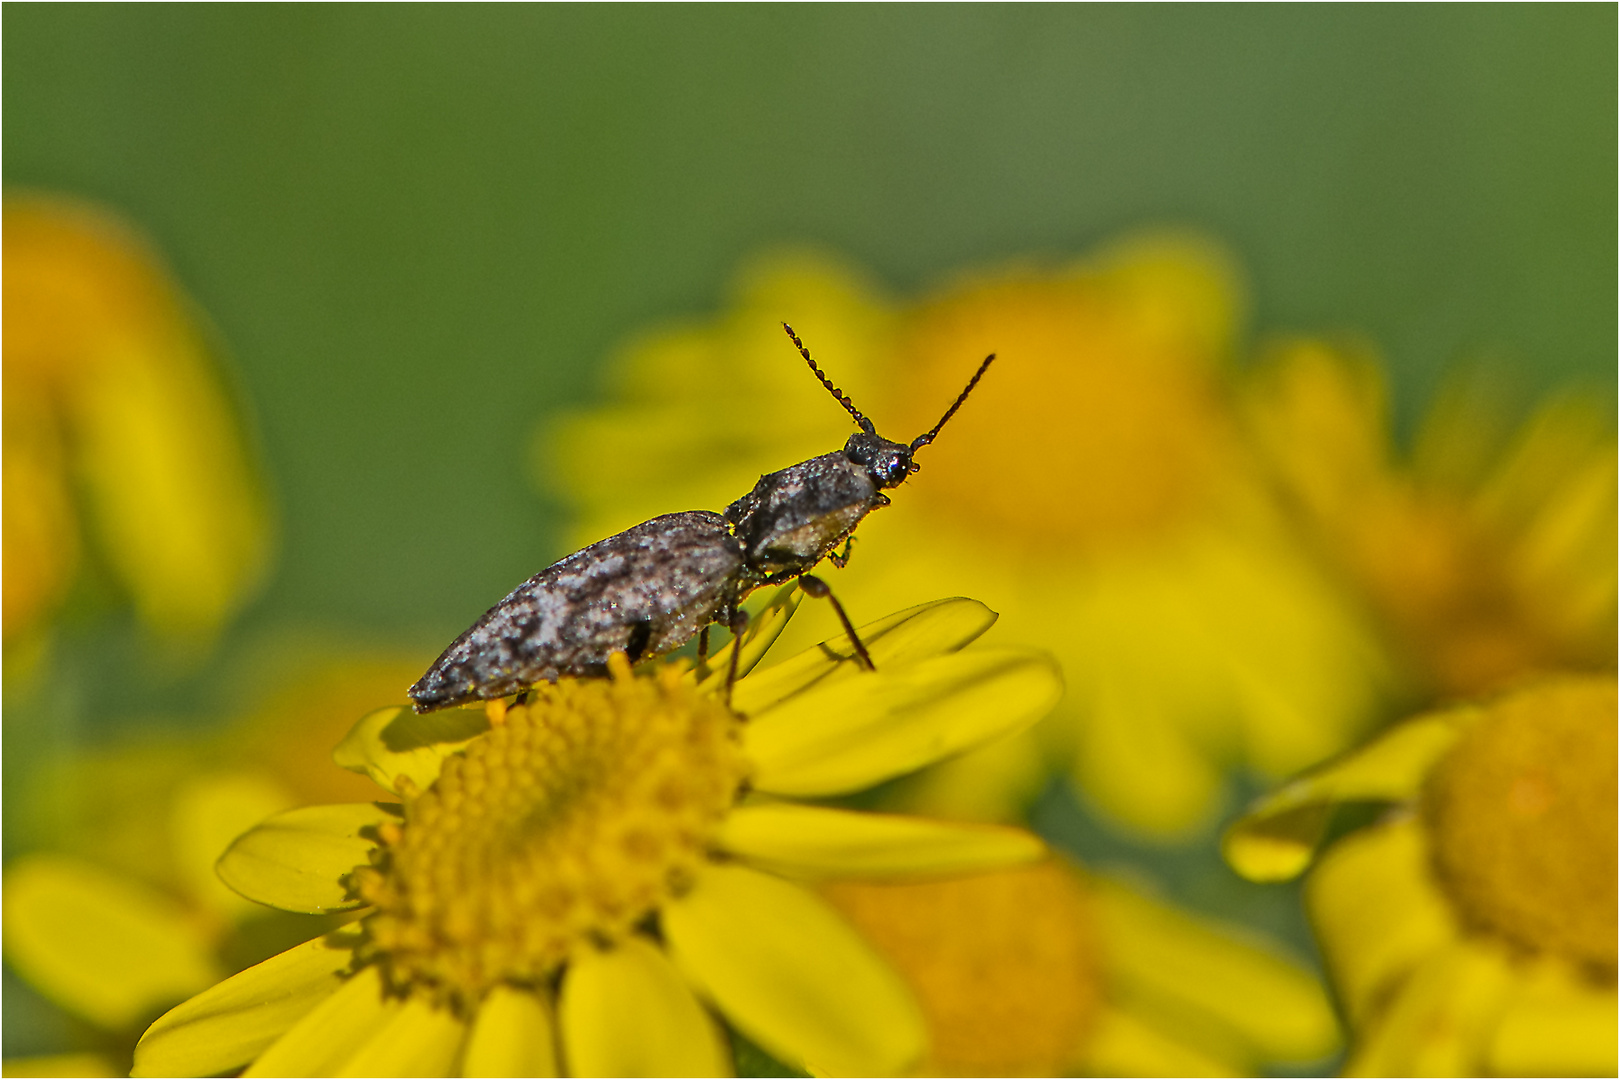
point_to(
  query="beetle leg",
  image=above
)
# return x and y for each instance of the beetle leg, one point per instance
(739, 623)
(703, 645)
(841, 559)
(640, 637)
(814, 586)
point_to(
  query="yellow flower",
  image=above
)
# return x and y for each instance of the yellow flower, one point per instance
(1487, 562)
(1040, 971)
(1094, 487)
(1471, 929)
(568, 883)
(114, 912)
(111, 396)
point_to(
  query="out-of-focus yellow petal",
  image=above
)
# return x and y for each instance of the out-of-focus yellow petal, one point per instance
(513, 1035)
(297, 860)
(917, 633)
(626, 1011)
(1377, 912)
(815, 841)
(41, 544)
(180, 512)
(1276, 839)
(1219, 645)
(1556, 1024)
(329, 1035)
(97, 333)
(998, 781)
(861, 731)
(793, 975)
(207, 813)
(1122, 1044)
(417, 1039)
(225, 1026)
(61, 1065)
(763, 630)
(395, 742)
(1320, 415)
(104, 946)
(1172, 963)
(1139, 762)
(1440, 1018)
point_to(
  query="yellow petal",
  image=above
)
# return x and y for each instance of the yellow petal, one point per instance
(862, 730)
(178, 505)
(396, 741)
(103, 946)
(227, 1025)
(1181, 966)
(818, 841)
(329, 1034)
(417, 1039)
(1377, 912)
(1126, 1045)
(792, 975)
(763, 630)
(917, 633)
(1277, 838)
(1139, 761)
(1556, 1024)
(206, 814)
(297, 860)
(513, 1035)
(1439, 1020)
(997, 781)
(626, 1011)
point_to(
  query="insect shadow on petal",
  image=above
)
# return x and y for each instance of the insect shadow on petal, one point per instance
(650, 589)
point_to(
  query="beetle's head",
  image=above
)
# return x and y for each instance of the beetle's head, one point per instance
(887, 463)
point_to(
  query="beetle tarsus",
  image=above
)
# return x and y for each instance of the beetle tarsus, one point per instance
(814, 586)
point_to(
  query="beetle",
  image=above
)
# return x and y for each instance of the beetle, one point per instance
(650, 589)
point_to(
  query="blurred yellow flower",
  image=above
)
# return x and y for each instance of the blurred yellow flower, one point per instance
(1487, 560)
(1472, 929)
(116, 913)
(1095, 488)
(1041, 971)
(567, 881)
(115, 412)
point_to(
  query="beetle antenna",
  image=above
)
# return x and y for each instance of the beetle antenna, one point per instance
(923, 440)
(843, 399)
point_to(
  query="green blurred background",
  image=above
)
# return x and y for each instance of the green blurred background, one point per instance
(419, 230)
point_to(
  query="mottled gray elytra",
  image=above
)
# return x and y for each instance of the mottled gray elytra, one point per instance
(649, 589)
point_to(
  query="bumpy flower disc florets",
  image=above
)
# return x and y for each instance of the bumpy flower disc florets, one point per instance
(569, 821)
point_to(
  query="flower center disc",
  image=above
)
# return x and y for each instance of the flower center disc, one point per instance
(1524, 820)
(1004, 964)
(572, 819)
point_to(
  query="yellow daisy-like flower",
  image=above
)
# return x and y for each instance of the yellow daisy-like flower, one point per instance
(113, 911)
(1095, 487)
(115, 411)
(567, 883)
(1488, 559)
(1471, 930)
(1040, 971)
